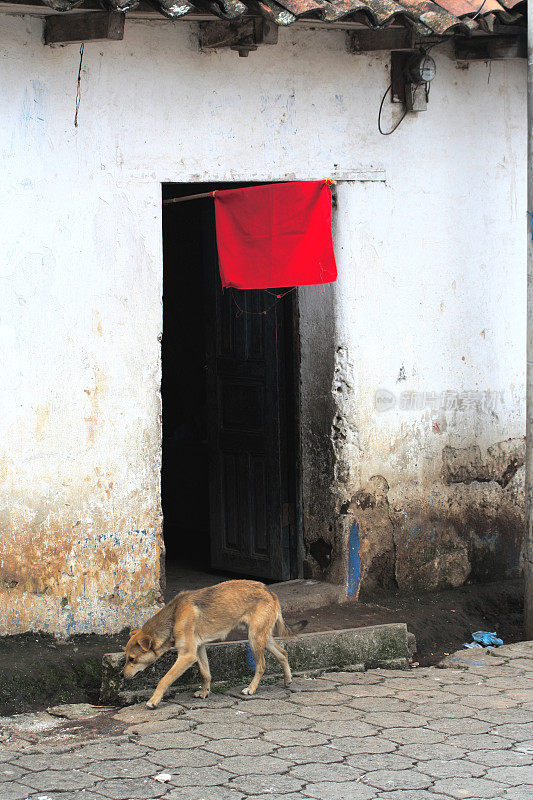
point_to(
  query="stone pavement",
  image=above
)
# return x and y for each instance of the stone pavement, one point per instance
(422, 734)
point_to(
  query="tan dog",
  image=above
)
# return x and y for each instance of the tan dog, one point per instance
(194, 618)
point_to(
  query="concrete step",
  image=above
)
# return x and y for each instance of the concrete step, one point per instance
(385, 646)
(301, 595)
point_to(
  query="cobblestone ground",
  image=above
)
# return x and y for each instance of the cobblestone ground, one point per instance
(425, 734)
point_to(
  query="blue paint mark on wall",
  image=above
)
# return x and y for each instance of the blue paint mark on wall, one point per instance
(250, 660)
(354, 561)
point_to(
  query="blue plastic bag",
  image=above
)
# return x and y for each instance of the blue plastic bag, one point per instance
(487, 639)
(484, 639)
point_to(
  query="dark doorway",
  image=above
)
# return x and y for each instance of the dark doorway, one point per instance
(230, 469)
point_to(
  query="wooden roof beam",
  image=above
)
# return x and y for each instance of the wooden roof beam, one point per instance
(491, 47)
(243, 36)
(91, 27)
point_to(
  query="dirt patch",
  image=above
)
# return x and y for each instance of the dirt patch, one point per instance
(441, 621)
(37, 670)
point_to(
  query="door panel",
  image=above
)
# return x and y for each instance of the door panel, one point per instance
(246, 398)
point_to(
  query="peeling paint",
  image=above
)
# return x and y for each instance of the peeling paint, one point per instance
(95, 395)
(440, 536)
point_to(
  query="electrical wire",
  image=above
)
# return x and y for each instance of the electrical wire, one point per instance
(78, 87)
(478, 12)
(388, 133)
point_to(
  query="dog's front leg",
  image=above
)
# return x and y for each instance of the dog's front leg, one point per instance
(184, 661)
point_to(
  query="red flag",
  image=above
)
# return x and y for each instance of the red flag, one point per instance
(275, 235)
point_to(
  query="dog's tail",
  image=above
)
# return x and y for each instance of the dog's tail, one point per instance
(280, 626)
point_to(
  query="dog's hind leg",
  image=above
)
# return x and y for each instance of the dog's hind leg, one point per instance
(184, 661)
(203, 666)
(259, 630)
(278, 652)
(257, 643)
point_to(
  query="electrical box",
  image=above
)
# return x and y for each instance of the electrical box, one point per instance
(411, 73)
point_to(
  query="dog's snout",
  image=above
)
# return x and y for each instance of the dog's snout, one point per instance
(131, 669)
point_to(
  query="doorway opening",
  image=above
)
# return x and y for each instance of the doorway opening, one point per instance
(230, 467)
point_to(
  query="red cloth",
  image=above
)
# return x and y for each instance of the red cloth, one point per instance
(275, 235)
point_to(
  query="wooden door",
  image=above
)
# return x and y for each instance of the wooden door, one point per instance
(250, 512)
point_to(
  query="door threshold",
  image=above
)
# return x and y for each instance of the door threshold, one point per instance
(307, 595)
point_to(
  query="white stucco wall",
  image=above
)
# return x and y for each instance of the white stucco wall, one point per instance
(431, 279)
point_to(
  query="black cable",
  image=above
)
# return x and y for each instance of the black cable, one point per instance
(78, 86)
(388, 133)
(478, 12)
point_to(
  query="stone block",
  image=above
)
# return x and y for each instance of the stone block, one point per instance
(373, 646)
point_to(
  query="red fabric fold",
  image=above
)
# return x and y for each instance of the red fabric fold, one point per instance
(275, 235)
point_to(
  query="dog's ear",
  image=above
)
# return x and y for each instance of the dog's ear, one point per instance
(145, 642)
